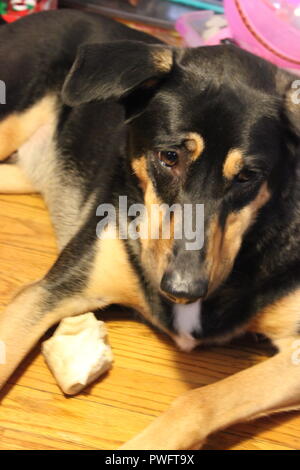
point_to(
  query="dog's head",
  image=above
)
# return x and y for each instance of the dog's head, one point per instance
(212, 126)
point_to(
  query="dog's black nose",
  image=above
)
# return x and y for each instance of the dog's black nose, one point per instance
(183, 289)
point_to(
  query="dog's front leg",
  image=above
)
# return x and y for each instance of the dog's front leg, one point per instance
(35, 309)
(271, 386)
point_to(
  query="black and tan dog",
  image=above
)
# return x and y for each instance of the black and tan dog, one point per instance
(95, 111)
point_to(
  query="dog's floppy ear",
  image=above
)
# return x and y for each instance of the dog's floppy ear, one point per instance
(288, 86)
(113, 70)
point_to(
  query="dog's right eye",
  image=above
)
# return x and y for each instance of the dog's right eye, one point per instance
(168, 158)
(245, 176)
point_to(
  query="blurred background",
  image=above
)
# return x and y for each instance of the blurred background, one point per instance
(268, 28)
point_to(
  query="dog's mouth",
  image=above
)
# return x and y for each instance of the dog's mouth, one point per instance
(186, 298)
(178, 300)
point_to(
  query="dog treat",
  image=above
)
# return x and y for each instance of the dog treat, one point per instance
(78, 352)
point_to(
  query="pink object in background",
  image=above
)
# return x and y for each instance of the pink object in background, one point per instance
(255, 25)
(191, 26)
(259, 29)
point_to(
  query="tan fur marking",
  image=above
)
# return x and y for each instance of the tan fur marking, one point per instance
(113, 280)
(268, 387)
(113, 277)
(223, 247)
(233, 164)
(139, 166)
(280, 319)
(14, 181)
(163, 59)
(19, 127)
(154, 254)
(195, 144)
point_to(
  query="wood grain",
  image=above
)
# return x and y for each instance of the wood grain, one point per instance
(148, 371)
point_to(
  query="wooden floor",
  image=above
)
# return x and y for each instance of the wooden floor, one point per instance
(147, 374)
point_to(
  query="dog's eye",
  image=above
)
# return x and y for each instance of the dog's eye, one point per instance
(244, 176)
(168, 158)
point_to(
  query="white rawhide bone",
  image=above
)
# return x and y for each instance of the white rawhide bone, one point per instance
(78, 352)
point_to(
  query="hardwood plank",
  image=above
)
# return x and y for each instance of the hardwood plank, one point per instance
(148, 372)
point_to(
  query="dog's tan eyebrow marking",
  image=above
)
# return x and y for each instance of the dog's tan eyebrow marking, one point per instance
(233, 163)
(162, 59)
(139, 166)
(195, 144)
